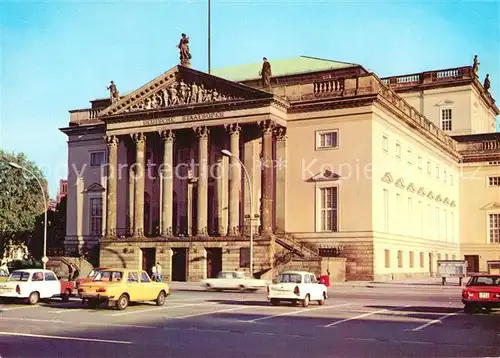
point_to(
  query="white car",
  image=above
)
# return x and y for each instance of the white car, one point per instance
(297, 286)
(234, 280)
(34, 284)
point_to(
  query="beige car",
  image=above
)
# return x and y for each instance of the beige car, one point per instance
(118, 287)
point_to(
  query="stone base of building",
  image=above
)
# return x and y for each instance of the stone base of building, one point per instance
(187, 259)
(402, 276)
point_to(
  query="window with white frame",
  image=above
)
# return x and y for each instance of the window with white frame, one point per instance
(494, 227)
(437, 171)
(386, 210)
(494, 181)
(410, 215)
(96, 216)
(421, 212)
(438, 224)
(429, 167)
(452, 226)
(385, 143)
(445, 218)
(420, 163)
(446, 119)
(398, 150)
(327, 139)
(451, 180)
(97, 158)
(408, 154)
(328, 207)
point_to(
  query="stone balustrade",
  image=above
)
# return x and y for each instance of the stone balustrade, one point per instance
(84, 116)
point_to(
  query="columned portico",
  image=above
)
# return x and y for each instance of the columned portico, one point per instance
(202, 197)
(168, 182)
(112, 181)
(140, 177)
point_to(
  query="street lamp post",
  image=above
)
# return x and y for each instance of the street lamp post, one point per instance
(227, 153)
(44, 258)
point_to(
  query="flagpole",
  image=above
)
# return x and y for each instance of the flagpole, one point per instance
(208, 36)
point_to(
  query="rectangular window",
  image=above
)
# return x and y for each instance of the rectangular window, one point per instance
(437, 171)
(97, 158)
(386, 210)
(398, 150)
(429, 167)
(422, 260)
(438, 225)
(387, 258)
(412, 259)
(420, 163)
(445, 176)
(421, 212)
(445, 225)
(452, 228)
(328, 209)
(245, 257)
(96, 216)
(494, 181)
(446, 119)
(408, 153)
(451, 180)
(494, 228)
(400, 259)
(327, 139)
(385, 143)
(410, 215)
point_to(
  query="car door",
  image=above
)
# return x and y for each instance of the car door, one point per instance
(316, 288)
(52, 284)
(148, 288)
(133, 285)
(37, 284)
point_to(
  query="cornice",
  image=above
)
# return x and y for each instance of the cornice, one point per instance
(331, 103)
(75, 130)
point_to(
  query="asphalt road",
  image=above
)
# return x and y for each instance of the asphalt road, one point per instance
(355, 322)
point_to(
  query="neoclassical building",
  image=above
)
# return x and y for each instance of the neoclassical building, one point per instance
(392, 174)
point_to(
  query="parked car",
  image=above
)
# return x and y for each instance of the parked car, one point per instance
(35, 284)
(297, 286)
(482, 292)
(89, 277)
(234, 280)
(118, 287)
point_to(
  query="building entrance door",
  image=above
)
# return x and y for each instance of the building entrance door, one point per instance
(148, 259)
(214, 261)
(472, 263)
(180, 264)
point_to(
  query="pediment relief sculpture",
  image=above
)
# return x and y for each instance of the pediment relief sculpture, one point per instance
(411, 188)
(430, 195)
(421, 191)
(181, 93)
(400, 183)
(387, 178)
(439, 199)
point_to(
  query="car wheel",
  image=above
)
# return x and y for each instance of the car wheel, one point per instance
(470, 308)
(65, 295)
(34, 298)
(305, 301)
(209, 287)
(243, 288)
(275, 301)
(160, 300)
(322, 301)
(122, 302)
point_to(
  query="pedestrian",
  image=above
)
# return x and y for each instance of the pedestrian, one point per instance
(154, 274)
(70, 272)
(159, 272)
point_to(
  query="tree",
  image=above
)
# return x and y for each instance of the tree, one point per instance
(21, 201)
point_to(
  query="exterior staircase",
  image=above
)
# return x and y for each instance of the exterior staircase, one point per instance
(60, 266)
(296, 247)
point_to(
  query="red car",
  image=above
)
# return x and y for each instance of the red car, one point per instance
(482, 292)
(89, 277)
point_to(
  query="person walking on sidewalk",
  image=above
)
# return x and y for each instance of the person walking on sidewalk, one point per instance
(159, 272)
(154, 273)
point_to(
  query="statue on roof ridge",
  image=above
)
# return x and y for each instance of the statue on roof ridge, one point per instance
(113, 92)
(475, 66)
(266, 73)
(185, 55)
(487, 83)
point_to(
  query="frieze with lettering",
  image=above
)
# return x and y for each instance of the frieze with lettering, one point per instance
(185, 118)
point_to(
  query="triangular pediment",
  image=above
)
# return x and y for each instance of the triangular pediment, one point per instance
(182, 87)
(411, 188)
(325, 175)
(95, 188)
(446, 201)
(430, 195)
(491, 206)
(452, 204)
(400, 183)
(421, 191)
(439, 199)
(387, 178)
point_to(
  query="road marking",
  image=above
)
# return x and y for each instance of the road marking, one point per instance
(66, 338)
(161, 308)
(73, 323)
(360, 316)
(361, 339)
(208, 313)
(69, 310)
(294, 312)
(18, 308)
(417, 342)
(439, 320)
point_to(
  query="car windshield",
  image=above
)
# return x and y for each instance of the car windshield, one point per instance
(484, 281)
(106, 276)
(289, 278)
(19, 276)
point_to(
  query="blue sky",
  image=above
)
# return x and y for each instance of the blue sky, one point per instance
(57, 56)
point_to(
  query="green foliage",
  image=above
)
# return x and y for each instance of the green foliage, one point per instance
(21, 201)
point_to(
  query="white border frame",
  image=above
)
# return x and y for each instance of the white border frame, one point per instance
(317, 204)
(488, 213)
(317, 135)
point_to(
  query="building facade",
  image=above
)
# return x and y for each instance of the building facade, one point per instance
(336, 162)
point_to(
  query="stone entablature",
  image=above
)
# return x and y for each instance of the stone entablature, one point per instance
(479, 148)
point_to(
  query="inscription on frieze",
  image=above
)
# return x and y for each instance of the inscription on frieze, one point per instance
(185, 118)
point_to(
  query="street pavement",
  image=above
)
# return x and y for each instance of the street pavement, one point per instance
(365, 320)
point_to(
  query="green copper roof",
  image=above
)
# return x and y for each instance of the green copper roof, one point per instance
(283, 67)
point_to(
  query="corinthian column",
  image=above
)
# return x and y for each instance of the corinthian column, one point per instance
(140, 146)
(281, 179)
(268, 177)
(202, 199)
(235, 179)
(112, 181)
(168, 182)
